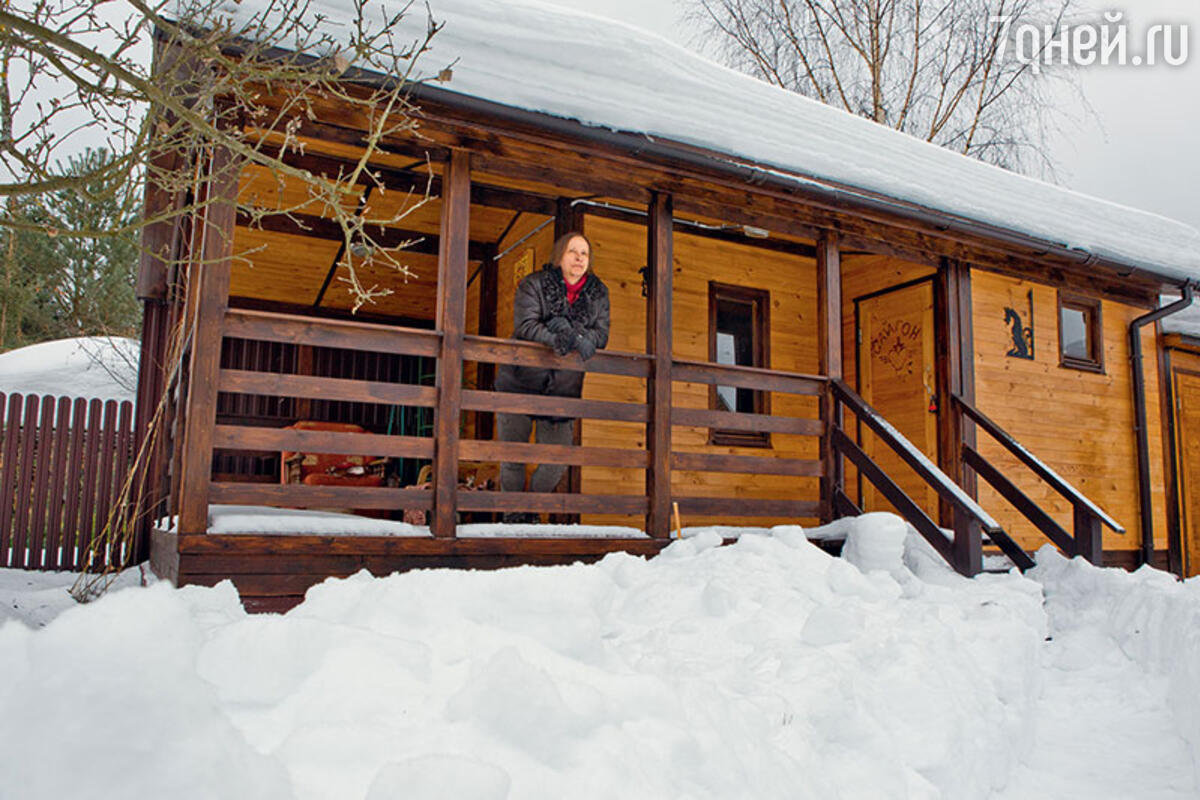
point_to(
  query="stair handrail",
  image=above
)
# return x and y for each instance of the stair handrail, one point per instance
(1059, 484)
(964, 551)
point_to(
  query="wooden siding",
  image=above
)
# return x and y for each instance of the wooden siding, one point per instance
(1080, 423)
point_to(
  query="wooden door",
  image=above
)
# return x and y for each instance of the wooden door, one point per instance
(1187, 399)
(896, 376)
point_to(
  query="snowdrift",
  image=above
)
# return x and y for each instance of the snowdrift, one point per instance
(761, 669)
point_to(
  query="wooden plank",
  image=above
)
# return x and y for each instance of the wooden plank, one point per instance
(1009, 491)
(739, 421)
(747, 507)
(766, 380)
(8, 474)
(451, 321)
(338, 333)
(968, 544)
(247, 437)
(830, 363)
(105, 463)
(238, 545)
(660, 274)
(301, 496)
(476, 400)
(553, 502)
(297, 223)
(126, 537)
(525, 452)
(74, 477)
(751, 465)
(44, 468)
(211, 295)
(25, 471)
(54, 502)
(276, 384)
(843, 506)
(534, 354)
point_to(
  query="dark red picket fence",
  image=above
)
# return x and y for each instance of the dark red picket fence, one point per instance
(62, 464)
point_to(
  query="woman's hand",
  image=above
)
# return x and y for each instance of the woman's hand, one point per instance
(558, 325)
(585, 346)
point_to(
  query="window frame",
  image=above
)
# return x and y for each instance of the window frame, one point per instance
(1091, 309)
(760, 302)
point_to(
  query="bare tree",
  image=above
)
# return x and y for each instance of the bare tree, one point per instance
(936, 69)
(159, 84)
(158, 88)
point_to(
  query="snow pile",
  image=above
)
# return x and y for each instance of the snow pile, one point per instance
(1153, 619)
(90, 366)
(575, 65)
(765, 668)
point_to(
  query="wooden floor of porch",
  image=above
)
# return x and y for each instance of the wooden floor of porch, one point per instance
(272, 572)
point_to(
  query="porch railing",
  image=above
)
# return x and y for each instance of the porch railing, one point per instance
(799, 502)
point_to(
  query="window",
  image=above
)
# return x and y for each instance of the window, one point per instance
(1080, 337)
(738, 334)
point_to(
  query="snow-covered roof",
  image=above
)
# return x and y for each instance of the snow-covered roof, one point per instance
(578, 66)
(91, 366)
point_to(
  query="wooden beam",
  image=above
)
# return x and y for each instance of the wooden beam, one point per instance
(451, 321)
(210, 276)
(660, 259)
(318, 227)
(954, 373)
(416, 181)
(830, 358)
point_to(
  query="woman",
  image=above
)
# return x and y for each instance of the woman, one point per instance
(564, 306)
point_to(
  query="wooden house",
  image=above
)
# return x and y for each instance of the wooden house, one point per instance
(911, 330)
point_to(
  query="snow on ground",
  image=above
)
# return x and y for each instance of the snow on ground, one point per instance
(90, 366)
(766, 668)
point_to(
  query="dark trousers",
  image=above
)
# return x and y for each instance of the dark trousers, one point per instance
(516, 428)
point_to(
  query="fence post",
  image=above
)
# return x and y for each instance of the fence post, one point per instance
(1088, 539)
(451, 322)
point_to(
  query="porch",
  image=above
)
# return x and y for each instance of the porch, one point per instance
(663, 422)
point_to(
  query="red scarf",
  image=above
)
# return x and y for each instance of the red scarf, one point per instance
(573, 289)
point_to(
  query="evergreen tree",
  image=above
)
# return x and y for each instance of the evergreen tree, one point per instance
(55, 287)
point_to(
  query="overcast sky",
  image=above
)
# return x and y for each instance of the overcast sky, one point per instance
(1142, 151)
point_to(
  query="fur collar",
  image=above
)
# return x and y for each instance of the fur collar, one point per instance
(554, 289)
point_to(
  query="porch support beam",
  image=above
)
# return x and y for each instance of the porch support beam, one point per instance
(210, 285)
(829, 338)
(659, 345)
(453, 247)
(954, 374)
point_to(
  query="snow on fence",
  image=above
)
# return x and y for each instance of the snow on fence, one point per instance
(62, 463)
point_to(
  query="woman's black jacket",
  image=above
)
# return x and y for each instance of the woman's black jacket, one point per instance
(540, 296)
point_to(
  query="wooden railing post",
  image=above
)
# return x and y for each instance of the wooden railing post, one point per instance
(955, 374)
(658, 344)
(829, 336)
(968, 544)
(1088, 537)
(210, 283)
(451, 322)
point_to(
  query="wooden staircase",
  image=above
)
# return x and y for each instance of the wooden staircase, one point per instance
(970, 524)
